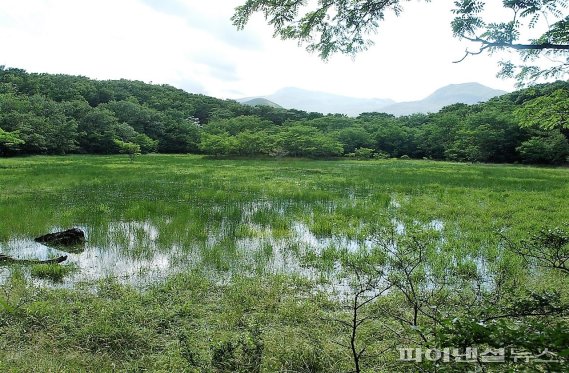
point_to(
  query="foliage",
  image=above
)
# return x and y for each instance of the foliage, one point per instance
(36, 117)
(526, 16)
(547, 249)
(549, 148)
(222, 144)
(129, 148)
(302, 140)
(60, 114)
(353, 137)
(179, 136)
(548, 111)
(364, 153)
(333, 26)
(9, 141)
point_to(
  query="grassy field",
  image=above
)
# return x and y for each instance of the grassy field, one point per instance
(195, 264)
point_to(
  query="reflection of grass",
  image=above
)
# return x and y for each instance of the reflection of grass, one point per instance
(53, 272)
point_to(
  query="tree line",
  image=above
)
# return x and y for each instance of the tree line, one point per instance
(62, 114)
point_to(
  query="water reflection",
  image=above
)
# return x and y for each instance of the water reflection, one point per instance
(141, 252)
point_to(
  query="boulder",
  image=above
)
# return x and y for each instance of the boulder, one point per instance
(70, 237)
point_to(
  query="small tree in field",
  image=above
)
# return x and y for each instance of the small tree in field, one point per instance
(129, 148)
(364, 153)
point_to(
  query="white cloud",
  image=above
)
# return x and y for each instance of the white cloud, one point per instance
(192, 45)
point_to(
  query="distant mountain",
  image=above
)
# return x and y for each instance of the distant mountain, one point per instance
(321, 102)
(261, 102)
(301, 99)
(466, 93)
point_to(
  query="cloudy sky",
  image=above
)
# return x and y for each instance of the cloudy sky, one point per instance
(191, 44)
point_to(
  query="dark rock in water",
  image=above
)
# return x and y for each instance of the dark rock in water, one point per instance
(70, 237)
(9, 259)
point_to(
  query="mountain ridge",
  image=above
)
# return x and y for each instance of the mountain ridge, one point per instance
(322, 102)
(259, 101)
(465, 93)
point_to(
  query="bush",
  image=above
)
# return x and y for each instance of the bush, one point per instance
(381, 155)
(364, 153)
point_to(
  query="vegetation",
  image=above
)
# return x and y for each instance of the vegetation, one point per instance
(53, 272)
(194, 264)
(332, 26)
(59, 114)
(377, 262)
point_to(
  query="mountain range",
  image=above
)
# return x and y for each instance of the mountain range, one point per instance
(313, 101)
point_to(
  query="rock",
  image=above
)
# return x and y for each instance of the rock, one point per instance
(70, 237)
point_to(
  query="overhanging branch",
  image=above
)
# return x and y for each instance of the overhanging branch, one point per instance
(486, 44)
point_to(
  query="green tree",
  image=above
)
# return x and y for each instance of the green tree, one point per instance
(9, 142)
(549, 147)
(40, 122)
(141, 118)
(395, 139)
(233, 126)
(548, 111)
(488, 134)
(364, 153)
(218, 144)
(98, 131)
(129, 148)
(146, 144)
(304, 141)
(332, 26)
(331, 122)
(252, 143)
(435, 136)
(353, 138)
(180, 136)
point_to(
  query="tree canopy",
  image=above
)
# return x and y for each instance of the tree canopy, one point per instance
(129, 117)
(341, 26)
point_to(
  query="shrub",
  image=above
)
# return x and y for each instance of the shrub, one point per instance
(364, 153)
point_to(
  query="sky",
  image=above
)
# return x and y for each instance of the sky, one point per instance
(191, 44)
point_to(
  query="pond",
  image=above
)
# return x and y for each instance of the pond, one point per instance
(143, 252)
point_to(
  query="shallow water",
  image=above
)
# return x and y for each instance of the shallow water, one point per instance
(94, 262)
(143, 252)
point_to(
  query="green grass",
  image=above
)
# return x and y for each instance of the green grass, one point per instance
(53, 272)
(190, 261)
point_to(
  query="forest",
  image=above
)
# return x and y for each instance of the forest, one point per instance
(44, 113)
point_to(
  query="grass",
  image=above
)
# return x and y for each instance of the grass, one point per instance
(53, 272)
(202, 265)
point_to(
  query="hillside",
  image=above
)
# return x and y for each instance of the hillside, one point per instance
(58, 114)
